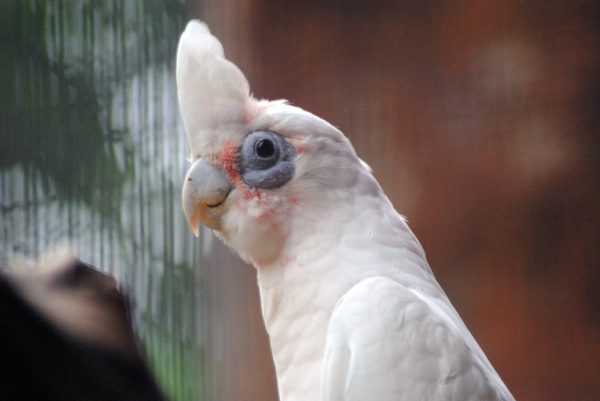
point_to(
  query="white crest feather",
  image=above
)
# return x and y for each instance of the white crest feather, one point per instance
(213, 93)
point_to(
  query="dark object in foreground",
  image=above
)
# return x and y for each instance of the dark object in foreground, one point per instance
(65, 334)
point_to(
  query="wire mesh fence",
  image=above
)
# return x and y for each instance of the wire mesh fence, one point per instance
(92, 153)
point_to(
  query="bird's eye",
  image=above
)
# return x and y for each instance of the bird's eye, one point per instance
(264, 148)
(266, 160)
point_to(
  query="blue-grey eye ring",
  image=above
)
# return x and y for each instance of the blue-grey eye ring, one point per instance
(266, 159)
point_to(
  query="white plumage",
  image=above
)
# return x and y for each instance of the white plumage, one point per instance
(351, 306)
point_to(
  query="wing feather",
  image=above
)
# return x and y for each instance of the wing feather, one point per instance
(386, 342)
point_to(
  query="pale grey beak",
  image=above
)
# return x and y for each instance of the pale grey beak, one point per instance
(205, 191)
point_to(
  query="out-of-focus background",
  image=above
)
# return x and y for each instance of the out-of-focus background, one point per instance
(480, 120)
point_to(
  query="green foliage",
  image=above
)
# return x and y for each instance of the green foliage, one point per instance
(92, 150)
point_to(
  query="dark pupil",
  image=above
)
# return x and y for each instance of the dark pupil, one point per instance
(265, 148)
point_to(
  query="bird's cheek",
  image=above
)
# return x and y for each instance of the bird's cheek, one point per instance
(268, 211)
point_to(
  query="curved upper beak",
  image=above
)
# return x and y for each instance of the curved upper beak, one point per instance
(205, 190)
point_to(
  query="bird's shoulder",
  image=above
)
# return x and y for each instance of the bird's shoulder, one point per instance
(387, 341)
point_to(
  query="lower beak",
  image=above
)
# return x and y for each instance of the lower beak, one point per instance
(205, 191)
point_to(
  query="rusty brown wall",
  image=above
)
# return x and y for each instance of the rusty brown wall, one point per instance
(480, 119)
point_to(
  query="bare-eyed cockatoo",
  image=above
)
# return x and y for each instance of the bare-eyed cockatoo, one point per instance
(351, 306)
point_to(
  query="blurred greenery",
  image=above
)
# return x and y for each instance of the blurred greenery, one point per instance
(92, 151)
(51, 118)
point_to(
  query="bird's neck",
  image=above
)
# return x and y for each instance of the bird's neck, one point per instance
(300, 290)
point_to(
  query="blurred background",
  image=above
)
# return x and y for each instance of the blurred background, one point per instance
(480, 120)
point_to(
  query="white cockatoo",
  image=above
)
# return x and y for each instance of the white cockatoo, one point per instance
(350, 304)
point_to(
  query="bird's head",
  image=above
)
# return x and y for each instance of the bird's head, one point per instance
(261, 170)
